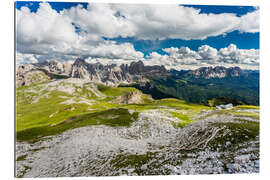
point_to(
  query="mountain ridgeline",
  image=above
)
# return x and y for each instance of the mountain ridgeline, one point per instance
(206, 85)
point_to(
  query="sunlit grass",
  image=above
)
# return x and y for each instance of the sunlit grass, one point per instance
(40, 115)
(247, 107)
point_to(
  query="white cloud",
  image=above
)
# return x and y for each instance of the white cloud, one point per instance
(100, 19)
(46, 26)
(184, 58)
(157, 59)
(208, 53)
(51, 35)
(232, 54)
(25, 58)
(182, 53)
(157, 21)
(250, 22)
(114, 51)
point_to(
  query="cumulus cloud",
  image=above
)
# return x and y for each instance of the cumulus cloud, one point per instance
(25, 58)
(50, 35)
(208, 53)
(183, 57)
(182, 53)
(232, 54)
(114, 51)
(100, 20)
(250, 22)
(65, 35)
(157, 21)
(46, 26)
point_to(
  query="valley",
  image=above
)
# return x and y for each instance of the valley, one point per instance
(87, 119)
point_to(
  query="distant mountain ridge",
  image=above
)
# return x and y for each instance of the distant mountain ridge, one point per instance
(214, 72)
(196, 86)
(111, 75)
(201, 85)
(217, 72)
(114, 75)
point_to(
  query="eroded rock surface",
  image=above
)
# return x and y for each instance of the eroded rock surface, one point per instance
(150, 146)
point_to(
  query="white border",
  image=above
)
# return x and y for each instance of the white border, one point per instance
(7, 87)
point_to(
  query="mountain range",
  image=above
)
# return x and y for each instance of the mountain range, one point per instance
(78, 119)
(113, 75)
(195, 86)
(110, 75)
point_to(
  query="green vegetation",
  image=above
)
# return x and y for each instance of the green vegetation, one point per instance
(245, 114)
(223, 100)
(21, 158)
(134, 160)
(44, 112)
(247, 107)
(184, 119)
(168, 103)
(112, 117)
(235, 90)
(113, 92)
(53, 75)
(236, 113)
(241, 131)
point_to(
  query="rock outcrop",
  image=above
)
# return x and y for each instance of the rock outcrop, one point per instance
(29, 74)
(216, 72)
(131, 98)
(113, 75)
(226, 106)
(110, 75)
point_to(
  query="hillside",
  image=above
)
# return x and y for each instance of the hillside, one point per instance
(75, 127)
(204, 84)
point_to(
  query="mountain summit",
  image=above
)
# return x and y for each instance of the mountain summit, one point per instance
(111, 75)
(216, 72)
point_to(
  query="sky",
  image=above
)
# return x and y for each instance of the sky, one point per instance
(176, 36)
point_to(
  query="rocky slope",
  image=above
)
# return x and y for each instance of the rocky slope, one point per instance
(131, 98)
(73, 127)
(69, 124)
(113, 75)
(150, 146)
(217, 72)
(110, 75)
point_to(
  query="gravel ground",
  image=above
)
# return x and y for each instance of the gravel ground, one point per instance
(151, 146)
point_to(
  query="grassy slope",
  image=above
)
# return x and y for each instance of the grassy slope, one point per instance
(111, 117)
(50, 109)
(199, 90)
(48, 115)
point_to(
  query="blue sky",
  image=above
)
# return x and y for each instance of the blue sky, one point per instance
(243, 36)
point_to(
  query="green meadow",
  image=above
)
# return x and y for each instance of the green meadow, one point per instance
(41, 111)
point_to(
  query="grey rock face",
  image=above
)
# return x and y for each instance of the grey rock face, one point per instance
(114, 75)
(107, 74)
(131, 98)
(151, 146)
(110, 75)
(226, 106)
(216, 72)
(28, 74)
(51, 66)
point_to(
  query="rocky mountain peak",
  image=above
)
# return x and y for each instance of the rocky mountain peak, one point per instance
(111, 75)
(217, 72)
(79, 62)
(136, 67)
